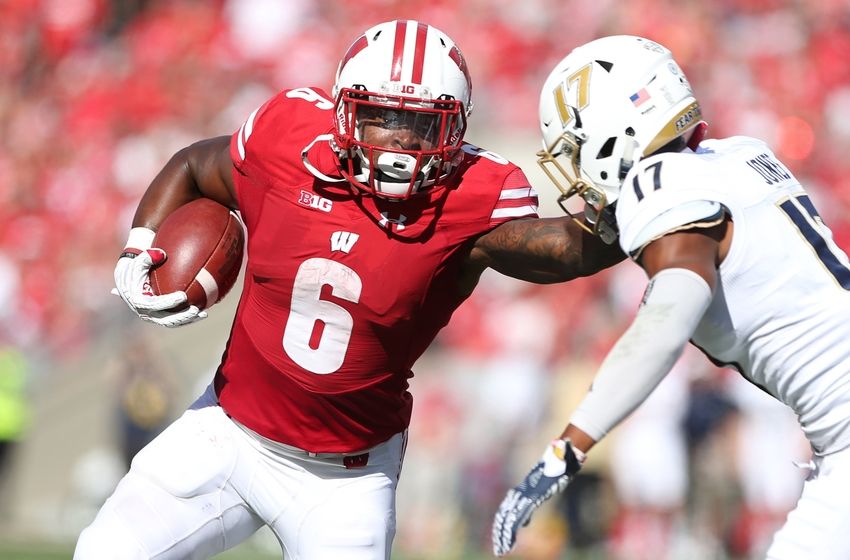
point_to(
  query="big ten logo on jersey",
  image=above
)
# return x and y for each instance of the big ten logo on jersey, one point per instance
(771, 170)
(315, 201)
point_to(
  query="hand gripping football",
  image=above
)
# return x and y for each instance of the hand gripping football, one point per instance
(204, 243)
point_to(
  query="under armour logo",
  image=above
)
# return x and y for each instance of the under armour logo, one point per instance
(343, 241)
(399, 222)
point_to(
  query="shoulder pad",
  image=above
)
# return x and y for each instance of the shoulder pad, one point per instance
(662, 194)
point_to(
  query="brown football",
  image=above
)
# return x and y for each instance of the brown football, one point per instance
(204, 245)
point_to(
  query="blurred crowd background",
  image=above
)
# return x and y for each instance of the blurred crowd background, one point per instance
(95, 95)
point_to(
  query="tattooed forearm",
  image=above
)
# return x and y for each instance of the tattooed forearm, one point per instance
(544, 250)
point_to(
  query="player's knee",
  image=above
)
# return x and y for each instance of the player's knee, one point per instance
(106, 540)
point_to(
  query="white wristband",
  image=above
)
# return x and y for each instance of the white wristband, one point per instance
(140, 238)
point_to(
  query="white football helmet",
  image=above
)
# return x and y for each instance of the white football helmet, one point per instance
(609, 103)
(405, 76)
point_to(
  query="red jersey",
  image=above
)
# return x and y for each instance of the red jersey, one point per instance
(343, 291)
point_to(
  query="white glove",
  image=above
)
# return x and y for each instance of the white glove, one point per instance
(550, 476)
(173, 319)
(132, 284)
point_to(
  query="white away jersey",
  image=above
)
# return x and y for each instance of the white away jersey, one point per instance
(780, 311)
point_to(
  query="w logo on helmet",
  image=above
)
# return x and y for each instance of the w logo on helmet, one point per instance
(458, 59)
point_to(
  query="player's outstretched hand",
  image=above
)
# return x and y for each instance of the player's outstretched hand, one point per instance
(547, 478)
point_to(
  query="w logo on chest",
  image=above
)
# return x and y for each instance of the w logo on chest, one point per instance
(343, 241)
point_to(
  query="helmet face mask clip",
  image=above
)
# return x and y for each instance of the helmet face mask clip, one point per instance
(571, 183)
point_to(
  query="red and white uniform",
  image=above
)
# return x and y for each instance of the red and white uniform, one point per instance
(303, 429)
(343, 291)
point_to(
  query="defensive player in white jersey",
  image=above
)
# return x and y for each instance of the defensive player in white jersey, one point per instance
(739, 263)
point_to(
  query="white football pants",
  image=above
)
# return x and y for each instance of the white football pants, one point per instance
(819, 527)
(206, 484)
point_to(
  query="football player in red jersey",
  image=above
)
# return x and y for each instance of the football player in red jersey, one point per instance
(369, 222)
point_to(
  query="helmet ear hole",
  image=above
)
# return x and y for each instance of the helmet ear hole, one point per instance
(359, 87)
(607, 148)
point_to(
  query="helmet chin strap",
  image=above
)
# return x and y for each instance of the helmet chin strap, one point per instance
(698, 136)
(628, 159)
(305, 159)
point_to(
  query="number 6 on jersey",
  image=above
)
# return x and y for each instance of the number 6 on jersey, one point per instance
(318, 331)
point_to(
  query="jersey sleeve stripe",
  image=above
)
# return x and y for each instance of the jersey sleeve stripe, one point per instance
(529, 199)
(245, 132)
(515, 212)
(525, 192)
(517, 199)
(249, 124)
(516, 202)
(240, 144)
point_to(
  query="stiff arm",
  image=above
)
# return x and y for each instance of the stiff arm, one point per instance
(539, 250)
